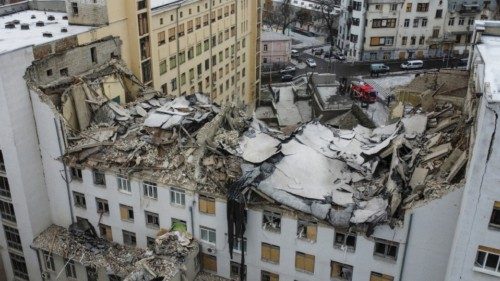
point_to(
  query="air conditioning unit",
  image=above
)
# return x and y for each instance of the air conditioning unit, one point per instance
(211, 250)
(45, 275)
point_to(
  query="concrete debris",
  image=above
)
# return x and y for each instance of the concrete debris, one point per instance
(81, 244)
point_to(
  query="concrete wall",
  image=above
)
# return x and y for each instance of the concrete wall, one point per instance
(277, 51)
(48, 5)
(13, 8)
(90, 12)
(19, 144)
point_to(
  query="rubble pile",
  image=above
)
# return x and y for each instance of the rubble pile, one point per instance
(80, 243)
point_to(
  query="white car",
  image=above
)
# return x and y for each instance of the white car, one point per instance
(311, 62)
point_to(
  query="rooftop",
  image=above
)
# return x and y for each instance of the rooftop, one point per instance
(155, 4)
(274, 36)
(24, 31)
(490, 51)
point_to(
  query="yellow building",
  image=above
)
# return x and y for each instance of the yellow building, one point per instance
(183, 46)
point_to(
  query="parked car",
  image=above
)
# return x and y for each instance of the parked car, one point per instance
(412, 64)
(295, 54)
(377, 68)
(311, 63)
(288, 70)
(287, 78)
(328, 55)
(339, 56)
(318, 52)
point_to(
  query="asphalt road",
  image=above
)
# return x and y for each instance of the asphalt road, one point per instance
(349, 69)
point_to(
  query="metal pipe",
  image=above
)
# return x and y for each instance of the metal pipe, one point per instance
(192, 215)
(406, 248)
(66, 179)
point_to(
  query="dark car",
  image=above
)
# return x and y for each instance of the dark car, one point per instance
(318, 52)
(328, 55)
(339, 56)
(287, 78)
(378, 68)
(288, 70)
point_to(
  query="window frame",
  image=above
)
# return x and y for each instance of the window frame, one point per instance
(206, 235)
(177, 194)
(150, 190)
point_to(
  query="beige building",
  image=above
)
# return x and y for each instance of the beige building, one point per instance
(276, 47)
(184, 46)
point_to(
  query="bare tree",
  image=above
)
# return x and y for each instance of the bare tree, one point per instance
(303, 17)
(329, 17)
(285, 15)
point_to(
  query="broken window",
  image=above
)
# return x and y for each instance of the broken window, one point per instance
(49, 72)
(307, 230)
(2, 162)
(150, 242)
(386, 249)
(70, 268)
(19, 266)
(106, 232)
(150, 190)
(146, 71)
(113, 277)
(206, 205)
(102, 206)
(375, 276)
(209, 262)
(207, 234)
(129, 238)
(236, 269)
(4, 187)
(126, 213)
(304, 262)
(79, 199)
(239, 245)
(269, 276)
(76, 174)
(91, 273)
(48, 260)
(177, 223)
(93, 54)
(341, 271)
(488, 258)
(123, 184)
(152, 219)
(270, 253)
(161, 38)
(343, 240)
(495, 216)
(177, 196)
(99, 178)
(7, 211)
(74, 8)
(142, 20)
(12, 237)
(271, 221)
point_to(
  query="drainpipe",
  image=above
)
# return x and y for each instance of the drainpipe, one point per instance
(406, 248)
(192, 215)
(66, 178)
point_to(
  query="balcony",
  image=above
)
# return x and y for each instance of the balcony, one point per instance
(469, 9)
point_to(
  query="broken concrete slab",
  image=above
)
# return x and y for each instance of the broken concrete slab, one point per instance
(459, 164)
(418, 177)
(438, 151)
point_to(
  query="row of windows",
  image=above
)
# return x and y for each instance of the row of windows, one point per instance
(227, 10)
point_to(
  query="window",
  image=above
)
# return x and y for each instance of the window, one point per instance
(102, 206)
(152, 219)
(422, 7)
(161, 38)
(177, 196)
(150, 189)
(451, 21)
(7, 211)
(4, 187)
(424, 22)
(173, 84)
(142, 20)
(407, 23)
(198, 22)
(142, 4)
(189, 26)
(106, 232)
(270, 253)
(182, 57)
(129, 238)
(470, 21)
(487, 259)
(63, 72)
(93, 54)
(307, 230)
(99, 178)
(413, 40)
(240, 246)
(404, 40)
(435, 33)
(191, 53)
(79, 199)
(49, 72)
(70, 268)
(495, 216)
(209, 262)
(163, 67)
(415, 22)
(268, 276)
(271, 221)
(421, 40)
(171, 34)
(381, 41)
(126, 213)
(150, 242)
(113, 277)
(183, 79)
(206, 205)
(12, 237)
(91, 273)
(345, 240)
(340, 271)
(375, 276)
(378, 7)
(76, 174)
(48, 260)
(177, 223)
(173, 62)
(461, 21)
(180, 30)
(74, 8)
(394, 7)
(235, 270)
(207, 234)
(304, 262)
(408, 7)
(123, 183)
(144, 47)
(356, 5)
(386, 249)
(384, 23)
(19, 266)
(439, 13)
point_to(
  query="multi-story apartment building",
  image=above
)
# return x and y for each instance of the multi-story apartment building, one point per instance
(408, 29)
(475, 253)
(180, 47)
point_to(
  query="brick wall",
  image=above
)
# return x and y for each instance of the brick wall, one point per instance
(86, 12)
